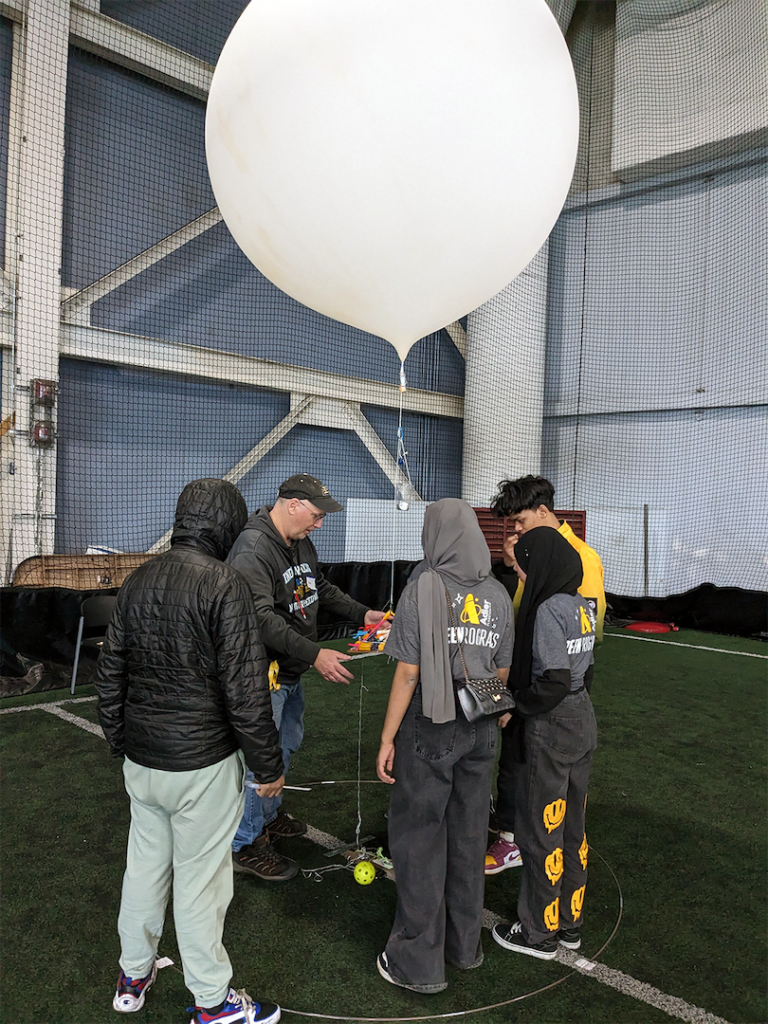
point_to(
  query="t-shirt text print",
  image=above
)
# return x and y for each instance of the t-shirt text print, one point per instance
(304, 586)
(479, 626)
(587, 622)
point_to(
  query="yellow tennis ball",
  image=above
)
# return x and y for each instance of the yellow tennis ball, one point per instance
(365, 872)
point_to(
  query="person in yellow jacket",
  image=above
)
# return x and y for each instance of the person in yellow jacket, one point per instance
(529, 502)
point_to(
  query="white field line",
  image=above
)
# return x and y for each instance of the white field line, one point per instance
(324, 839)
(47, 706)
(695, 647)
(623, 983)
(628, 986)
(81, 723)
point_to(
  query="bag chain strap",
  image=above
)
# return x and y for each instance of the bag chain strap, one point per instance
(458, 642)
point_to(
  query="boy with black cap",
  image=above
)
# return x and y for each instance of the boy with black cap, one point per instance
(280, 562)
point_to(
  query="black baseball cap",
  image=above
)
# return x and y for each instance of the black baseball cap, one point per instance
(309, 488)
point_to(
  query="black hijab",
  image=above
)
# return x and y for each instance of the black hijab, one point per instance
(552, 566)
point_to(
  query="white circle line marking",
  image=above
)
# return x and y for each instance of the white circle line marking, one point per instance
(695, 647)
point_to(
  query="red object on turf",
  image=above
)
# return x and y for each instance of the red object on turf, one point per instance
(652, 627)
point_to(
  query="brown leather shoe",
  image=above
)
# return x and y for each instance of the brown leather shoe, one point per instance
(263, 861)
(285, 826)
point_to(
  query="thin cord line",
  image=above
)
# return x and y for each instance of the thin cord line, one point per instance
(359, 758)
(398, 476)
(491, 1006)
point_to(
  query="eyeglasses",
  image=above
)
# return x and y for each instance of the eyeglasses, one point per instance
(317, 517)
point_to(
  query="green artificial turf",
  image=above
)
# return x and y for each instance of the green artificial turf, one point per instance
(676, 809)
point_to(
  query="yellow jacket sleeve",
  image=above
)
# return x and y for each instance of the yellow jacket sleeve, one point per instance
(592, 586)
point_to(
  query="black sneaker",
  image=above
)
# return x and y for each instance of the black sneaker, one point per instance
(285, 826)
(512, 938)
(237, 1008)
(569, 937)
(262, 860)
(131, 992)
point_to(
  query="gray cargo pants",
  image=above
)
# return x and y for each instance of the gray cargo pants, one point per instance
(438, 821)
(551, 796)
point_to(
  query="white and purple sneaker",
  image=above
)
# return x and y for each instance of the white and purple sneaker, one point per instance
(238, 1008)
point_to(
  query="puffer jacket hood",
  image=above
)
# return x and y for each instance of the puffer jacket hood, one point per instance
(210, 514)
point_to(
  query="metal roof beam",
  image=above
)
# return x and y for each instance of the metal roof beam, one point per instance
(100, 346)
(137, 51)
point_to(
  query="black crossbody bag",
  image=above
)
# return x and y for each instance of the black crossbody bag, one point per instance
(480, 698)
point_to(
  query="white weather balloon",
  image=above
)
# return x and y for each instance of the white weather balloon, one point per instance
(392, 163)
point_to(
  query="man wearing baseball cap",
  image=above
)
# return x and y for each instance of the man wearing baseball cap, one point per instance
(275, 554)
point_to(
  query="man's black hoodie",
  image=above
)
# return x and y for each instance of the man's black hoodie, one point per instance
(287, 589)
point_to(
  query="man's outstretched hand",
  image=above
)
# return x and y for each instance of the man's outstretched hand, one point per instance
(329, 664)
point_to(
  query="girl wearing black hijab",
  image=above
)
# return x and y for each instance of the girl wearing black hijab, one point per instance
(554, 726)
(438, 764)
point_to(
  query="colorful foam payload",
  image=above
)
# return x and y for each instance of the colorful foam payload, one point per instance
(371, 639)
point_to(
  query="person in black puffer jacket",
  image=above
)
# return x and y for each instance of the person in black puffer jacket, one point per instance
(184, 698)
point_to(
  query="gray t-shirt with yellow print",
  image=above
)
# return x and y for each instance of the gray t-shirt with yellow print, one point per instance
(564, 637)
(484, 626)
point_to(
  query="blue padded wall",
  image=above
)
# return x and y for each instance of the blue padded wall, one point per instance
(129, 440)
(434, 449)
(134, 167)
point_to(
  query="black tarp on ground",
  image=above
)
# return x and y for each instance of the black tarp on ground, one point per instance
(709, 608)
(38, 633)
(39, 625)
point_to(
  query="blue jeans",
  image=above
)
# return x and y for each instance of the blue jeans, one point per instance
(288, 715)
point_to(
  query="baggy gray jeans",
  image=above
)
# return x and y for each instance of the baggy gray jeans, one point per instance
(551, 796)
(438, 821)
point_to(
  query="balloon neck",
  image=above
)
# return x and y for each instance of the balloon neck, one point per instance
(403, 381)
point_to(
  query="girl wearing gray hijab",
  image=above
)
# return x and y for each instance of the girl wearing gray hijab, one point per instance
(439, 764)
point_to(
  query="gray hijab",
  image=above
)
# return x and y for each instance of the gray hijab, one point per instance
(455, 553)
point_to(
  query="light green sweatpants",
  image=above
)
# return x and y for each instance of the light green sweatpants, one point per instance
(182, 825)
